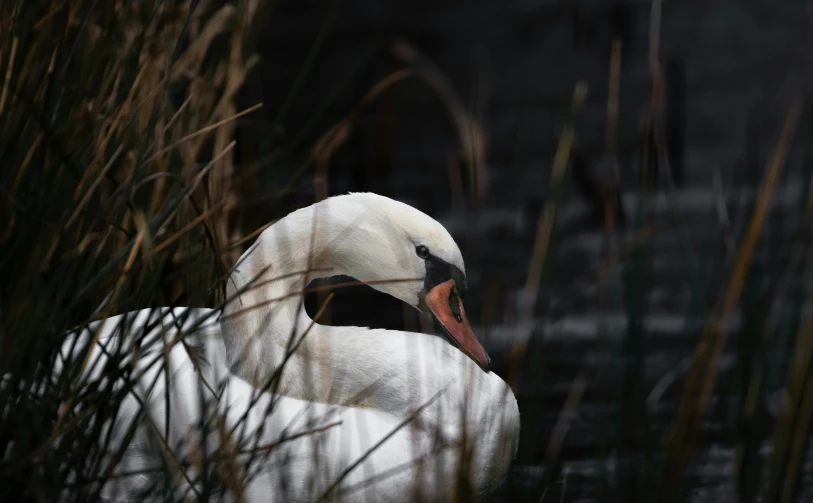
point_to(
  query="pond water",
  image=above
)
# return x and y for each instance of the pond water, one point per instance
(626, 398)
(731, 68)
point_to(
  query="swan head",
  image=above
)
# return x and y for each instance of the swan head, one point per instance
(390, 240)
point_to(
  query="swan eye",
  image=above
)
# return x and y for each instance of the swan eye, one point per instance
(422, 251)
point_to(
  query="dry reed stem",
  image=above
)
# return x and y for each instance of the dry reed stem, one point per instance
(248, 237)
(749, 243)
(655, 15)
(579, 385)
(793, 419)
(206, 129)
(722, 212)
(613, 92)
(800, 436)
(544, 229)
(191, 225)
(566, 416)
(169, 453)
(130, 259)
(9, 70)
(471, 133)
(274, 445)
(769, 328)
(189, 63)
(702, 376)
(612, 177)
(94, 186)
(26, 161)
(48, 15)
(327, 144)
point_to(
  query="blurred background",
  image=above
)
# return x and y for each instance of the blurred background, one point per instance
(607, 348)
(629, 182)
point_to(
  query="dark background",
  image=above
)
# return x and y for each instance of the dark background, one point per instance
(731, 69)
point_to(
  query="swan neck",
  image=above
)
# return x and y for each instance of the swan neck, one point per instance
(264, 318)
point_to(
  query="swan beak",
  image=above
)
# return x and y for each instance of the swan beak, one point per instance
(447, 308)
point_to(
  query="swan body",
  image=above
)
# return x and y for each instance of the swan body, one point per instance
(366, 415)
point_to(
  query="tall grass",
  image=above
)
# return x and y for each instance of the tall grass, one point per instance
(116, 141)
(653, 461)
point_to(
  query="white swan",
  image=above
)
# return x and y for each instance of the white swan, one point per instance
(366, 415)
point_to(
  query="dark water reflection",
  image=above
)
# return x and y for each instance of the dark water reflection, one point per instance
(514, 65)
(613, 448)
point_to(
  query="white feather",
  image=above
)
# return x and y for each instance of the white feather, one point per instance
(367, 383)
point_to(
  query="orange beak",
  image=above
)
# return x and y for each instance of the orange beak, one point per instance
(446, 306)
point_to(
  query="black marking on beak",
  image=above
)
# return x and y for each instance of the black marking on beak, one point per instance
(439, 271)
(454, 305)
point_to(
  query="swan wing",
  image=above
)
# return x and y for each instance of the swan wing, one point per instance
(263, 446)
